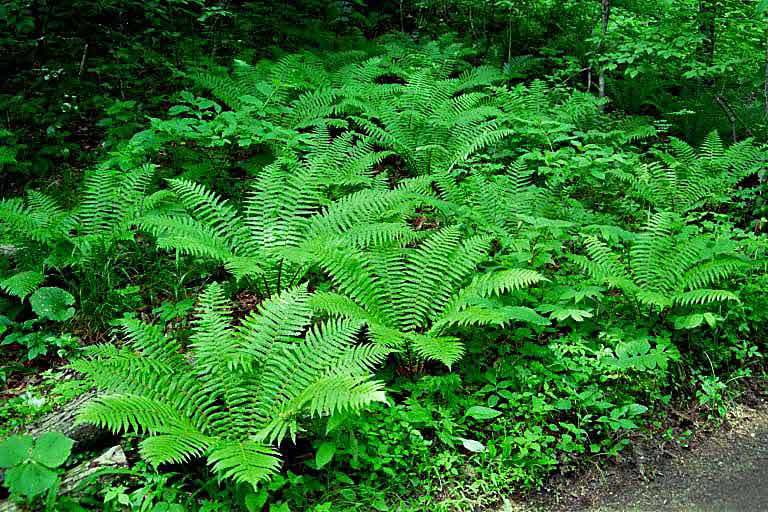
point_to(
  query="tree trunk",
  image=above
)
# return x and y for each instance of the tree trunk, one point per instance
(707, 28)
(606, 14)
(509, 37)
(765, 87)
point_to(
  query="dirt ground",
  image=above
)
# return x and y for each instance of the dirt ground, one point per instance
(725, 471)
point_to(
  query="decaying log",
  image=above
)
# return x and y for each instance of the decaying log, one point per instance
(64, 420)
(7, 250)
(113, 458)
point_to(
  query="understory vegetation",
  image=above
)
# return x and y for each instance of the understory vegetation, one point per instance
(338, 256)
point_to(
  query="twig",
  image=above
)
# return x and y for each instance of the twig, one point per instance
(82, 61)
(732, 117)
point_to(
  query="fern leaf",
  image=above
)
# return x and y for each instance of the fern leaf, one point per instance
(22, 284)
(247, 462)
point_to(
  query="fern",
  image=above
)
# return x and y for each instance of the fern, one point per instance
(687, 178)
(235, 390)
(666, 265)
(409, 296)
(286, 218)
(48, 235)
(22, 284)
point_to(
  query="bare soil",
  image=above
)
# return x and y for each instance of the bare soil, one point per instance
(725, 470)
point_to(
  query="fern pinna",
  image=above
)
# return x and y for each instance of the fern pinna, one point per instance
(410, 296)
(236, 390)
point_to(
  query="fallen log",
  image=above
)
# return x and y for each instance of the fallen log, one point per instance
(64, 420)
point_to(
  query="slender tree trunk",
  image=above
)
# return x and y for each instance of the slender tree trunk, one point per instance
(765, 87)
(728, 111)
(509, 37)
(708, 30)
(606, 14)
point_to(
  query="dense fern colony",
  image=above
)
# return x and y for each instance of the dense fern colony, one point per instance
(393, 200)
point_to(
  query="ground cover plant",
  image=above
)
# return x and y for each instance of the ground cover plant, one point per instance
(403, 256)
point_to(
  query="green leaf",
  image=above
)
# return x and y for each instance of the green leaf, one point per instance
(712, 319)
(689, 321)
(14, 451)
(480, 412)
(380, 505)
(636, 409)
(52, 449)
(472, 445)
(761, 7)
(325, 453)
(255, 501)
(29, 479)
(53, 304)
(178, 109)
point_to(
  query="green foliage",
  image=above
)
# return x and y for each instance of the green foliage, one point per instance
(286, 217)
(30, 464)
(52, 304)
(42, 234)
(549, 210)
(414, 294)
(668, 265)
(24, 407)
(238, 389)
(688, 178)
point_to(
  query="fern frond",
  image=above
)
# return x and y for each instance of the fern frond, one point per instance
(704, 296)
(247, 462)
(212, 211)
(214, 346)
(152, 342)
(504, 281)
(179, 446)
(279, 319)
(22, 284)
(712, 272)
(236, 386)
(485, 313)
(335, 304)
(121, 413)
(446, 349)
(324, 372)
(188, 236)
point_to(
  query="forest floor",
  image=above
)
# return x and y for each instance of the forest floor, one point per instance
(725, 470)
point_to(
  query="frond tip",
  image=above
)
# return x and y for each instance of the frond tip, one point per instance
(246, 461)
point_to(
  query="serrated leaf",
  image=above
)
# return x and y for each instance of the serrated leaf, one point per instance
(29, 479)
(53, 304)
